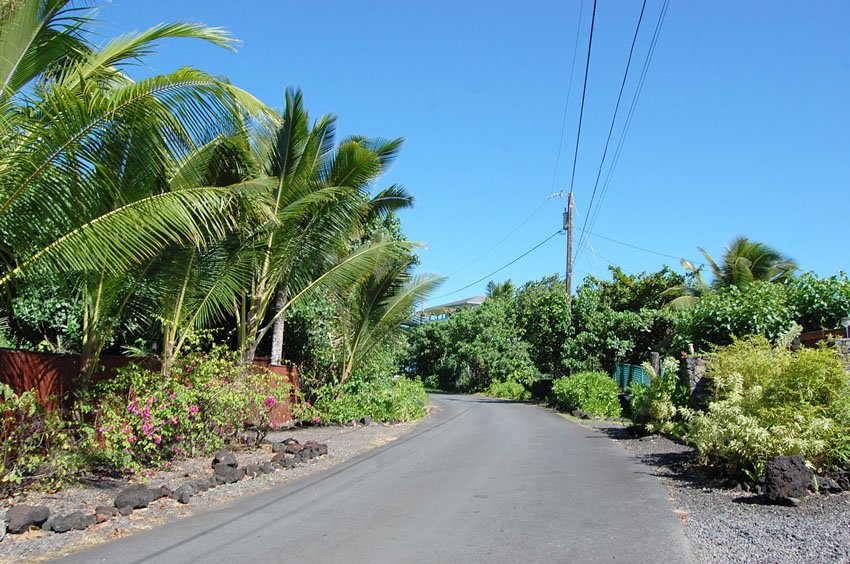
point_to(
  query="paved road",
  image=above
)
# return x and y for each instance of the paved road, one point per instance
(482, 481)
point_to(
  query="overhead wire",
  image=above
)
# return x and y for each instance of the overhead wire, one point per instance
(502, 240)
(629, 116)
(583, 95)
(659, 253)
(560, 144)
(501, 268)
(614, 116)
(569, 94)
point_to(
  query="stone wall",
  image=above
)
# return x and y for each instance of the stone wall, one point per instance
(692, 374)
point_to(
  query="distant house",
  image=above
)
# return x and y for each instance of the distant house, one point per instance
(443, 311)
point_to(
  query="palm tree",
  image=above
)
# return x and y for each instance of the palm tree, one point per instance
(378, 307)
(685, 296)
(746, 261)
(87, 153)
(504, 290)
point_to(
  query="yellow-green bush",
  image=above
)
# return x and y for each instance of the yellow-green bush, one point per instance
(769, 402)
(594, 392)
(508, 390)
(654, 406)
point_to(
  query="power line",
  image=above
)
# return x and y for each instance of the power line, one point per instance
(640, 248)
(583, 94)
(502, 240)
(523, 255)
(614, 117)
(629, 116)
(569, 93)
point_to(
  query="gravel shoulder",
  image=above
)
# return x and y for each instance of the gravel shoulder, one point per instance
(344, 443)
(727, 525)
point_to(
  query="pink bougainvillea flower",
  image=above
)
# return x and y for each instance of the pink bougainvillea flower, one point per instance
(193, 408)
(317, 419)
(270, 402)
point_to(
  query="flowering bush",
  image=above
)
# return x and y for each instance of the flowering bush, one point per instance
(35, 444)
(146, 419)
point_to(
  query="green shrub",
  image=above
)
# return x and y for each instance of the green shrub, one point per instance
(771, 402)
(432, 382)
(145, 419)
(653, 406)
(508, 390)
(36, 445)
(382, 399)
(762, 308)
(594, 392)
(821, 302)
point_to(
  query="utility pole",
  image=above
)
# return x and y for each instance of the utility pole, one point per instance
(568, 227)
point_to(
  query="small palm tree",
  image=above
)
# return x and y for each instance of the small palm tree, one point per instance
(377, 308)
(685, 296)
(503, 290)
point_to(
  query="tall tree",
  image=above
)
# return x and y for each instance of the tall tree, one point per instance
(87, 151)
(320, 200)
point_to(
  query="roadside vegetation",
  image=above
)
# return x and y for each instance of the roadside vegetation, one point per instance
(179, 219)
(765, 396)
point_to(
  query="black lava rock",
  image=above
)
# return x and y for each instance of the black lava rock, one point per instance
(76, 520)
(136, 496)
(21, 517)
(828, 485)
(225, 457)
(184, 492)
(787, 480)
(104, 513)
(225, 474)
(125, 511)
(293, 448)
(266, 467)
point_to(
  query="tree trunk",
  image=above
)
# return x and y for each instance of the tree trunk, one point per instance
(277, 332)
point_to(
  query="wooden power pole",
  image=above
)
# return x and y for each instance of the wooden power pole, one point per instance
(568, 227)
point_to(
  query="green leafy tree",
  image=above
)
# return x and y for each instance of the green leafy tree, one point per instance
(821, 302)
(320, 203)
(760, 308)
(543, 320)
(472, 348)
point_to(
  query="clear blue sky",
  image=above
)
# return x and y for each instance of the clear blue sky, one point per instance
(742, 127)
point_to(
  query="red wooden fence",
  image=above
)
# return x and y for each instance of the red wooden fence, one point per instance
(54, 376)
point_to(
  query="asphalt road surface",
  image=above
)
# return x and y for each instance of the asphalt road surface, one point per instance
(482, 481)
